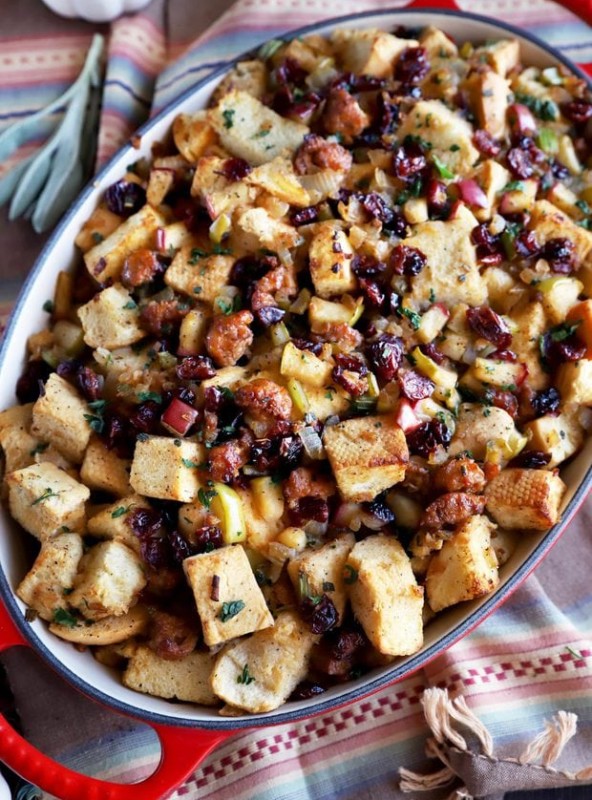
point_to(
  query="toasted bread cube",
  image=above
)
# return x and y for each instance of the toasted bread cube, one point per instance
(97, 227)
(18, 447)
(525, 498)
(192, 516)
(54, 571)
(475, 430)
(166, 470)
(17, 416)
(240, 607)
(369, 52)
(250, 130)
(367, 454)
(160, 183)
(574, 381)
(105, 260)
(489, 93)
(465, 568)
(320, 571)
(186, 679)
(385, 596)
(193, 135)
(531, 323)
(560, 436)
(437, 44)
(203, 278)
(305, 366)
(502, 55)
(331, 257)
(259, 673)
(59, 418)
(549, 222)
(279, 179)
(443, 129)
(111, 319)
(257, 229)
(107, 631)
(44, 499)
(248, 76)
(109, 580)
(500, 287)
(450, 256)
(112, 521)
(102, 469)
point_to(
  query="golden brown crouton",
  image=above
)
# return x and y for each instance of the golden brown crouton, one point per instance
(201, 278)
(102, 469)
(525, 498)
(187, 679)
(110, 630)
(59, 417)
(165, 469)
(111, 319)
(331, 257)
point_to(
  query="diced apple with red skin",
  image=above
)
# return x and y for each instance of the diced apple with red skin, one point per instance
(406, 417)
(499, 373)
(179, 417)
(520, 119)
(432, 322)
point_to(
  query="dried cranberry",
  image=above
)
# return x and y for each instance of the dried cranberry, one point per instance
(504, 400)
(560, 253)
(307, 689)
(556, 349)
(379, 509)
(375, 206)
(148, 525)
(248, 269)
(546, 401)
(290, 450)
(504, 355)
(424, 439)
(310, 509)
(387, 114)
(305, 344)
(195, 368)
(436, 197)
(385, 356)
(345, 643)
(89, 383)
(530, 459)
(397, 225)
(407, 260)
(115, 431)
(269, 315)
(146, 416)
(235, 169)
(413, 385)
(432, 352)
(290, 71)
(408, 161)
(412, 65)
(320, 613)
(526, 244)
(180, 547)
(367, 266)
(481, 235)
(486, 144)
(30, 384)
(214, 398)
(372, 291)
(520, 163)
(207, 539)
(304, 216)
(489, 325)
(558, 170)
(268, 455)
(125, 198)
(345, 364)
(578, 111)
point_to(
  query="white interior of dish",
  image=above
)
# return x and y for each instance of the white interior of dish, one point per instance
(31, 318)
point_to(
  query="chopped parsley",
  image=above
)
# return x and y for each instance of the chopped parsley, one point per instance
(219, 250)
(97, 237)
(119, 512)
(63, 617)
(350, 575)
(443, 170)
(245, 677)
(260, 134)
(154, 396)
(45, 496)
(195, 254)
(432, 296)
(228, 115)
(205, 497)
(561, 332)
(130, 305)
(96, 421)
(230, 609)
(413, 317)
(543, 109)
(454, 148)
(227, 307)
(514, 186)
(187, 462)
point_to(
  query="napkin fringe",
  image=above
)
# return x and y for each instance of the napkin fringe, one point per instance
(442, 713)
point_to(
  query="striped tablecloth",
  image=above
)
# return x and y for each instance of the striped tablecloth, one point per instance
(527, 661)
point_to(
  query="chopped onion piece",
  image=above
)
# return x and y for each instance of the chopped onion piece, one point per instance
(472, 193)
(311, 441)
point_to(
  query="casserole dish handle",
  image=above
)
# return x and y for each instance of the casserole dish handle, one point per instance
(581, 8)
(182, 749)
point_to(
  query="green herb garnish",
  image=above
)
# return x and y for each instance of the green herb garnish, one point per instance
(228, 115)
(45, 496)
(443, 170)
(245, 676)
(63, 617)
(230, 610)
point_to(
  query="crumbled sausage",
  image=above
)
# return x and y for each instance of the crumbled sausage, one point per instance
(266, 403)
(317, 152)
(451, 509)
(302, 483)
(344, 115)
(417, 476)
(229, 338)
(161, 316)
(140, 267)
(459, 475)
(349, 338)
(171, 637)
(225, 460)
(278, 284)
